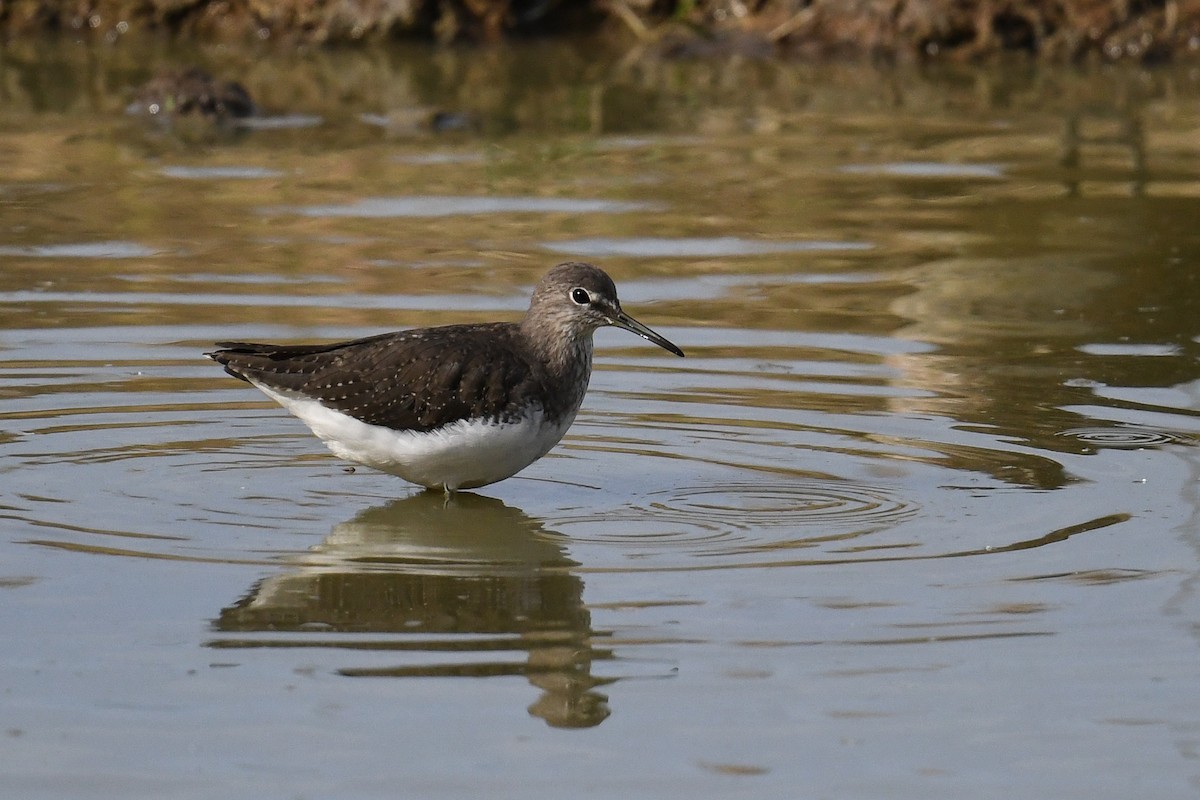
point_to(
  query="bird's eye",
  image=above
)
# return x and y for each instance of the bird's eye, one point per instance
(580, 297)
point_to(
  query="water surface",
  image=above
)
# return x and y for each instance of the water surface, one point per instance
(916, 517)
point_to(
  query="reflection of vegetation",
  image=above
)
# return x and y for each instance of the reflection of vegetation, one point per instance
(955, 29)
(1079, 230)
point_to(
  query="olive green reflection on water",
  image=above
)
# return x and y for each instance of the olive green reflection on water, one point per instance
(429, 578)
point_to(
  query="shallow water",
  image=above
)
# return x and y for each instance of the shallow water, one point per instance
(916, 517)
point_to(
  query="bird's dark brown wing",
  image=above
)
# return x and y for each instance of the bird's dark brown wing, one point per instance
(414, 380)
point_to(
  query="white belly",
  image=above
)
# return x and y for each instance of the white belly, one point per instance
(462, 455)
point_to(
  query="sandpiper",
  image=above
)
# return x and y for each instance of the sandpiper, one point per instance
(451, 407)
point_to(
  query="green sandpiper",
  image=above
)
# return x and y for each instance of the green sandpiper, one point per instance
(451, 407)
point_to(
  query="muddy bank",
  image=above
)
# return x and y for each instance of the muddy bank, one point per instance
(958, 30)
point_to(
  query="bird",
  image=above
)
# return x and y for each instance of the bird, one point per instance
(455, 406)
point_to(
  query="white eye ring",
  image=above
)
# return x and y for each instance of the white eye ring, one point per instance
(580, 297)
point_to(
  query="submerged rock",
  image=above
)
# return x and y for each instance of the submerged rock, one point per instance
(192, 92)
(419, 121)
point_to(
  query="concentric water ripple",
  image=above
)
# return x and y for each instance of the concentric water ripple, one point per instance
(1125, 438)
(740, 518)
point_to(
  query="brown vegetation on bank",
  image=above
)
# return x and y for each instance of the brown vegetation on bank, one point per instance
(1062, 30)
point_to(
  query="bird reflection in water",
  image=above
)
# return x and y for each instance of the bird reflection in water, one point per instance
(431, 578)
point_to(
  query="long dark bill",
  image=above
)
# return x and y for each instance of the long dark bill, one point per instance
(623, 320)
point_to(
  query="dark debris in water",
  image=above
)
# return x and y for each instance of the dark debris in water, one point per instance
(734, 769)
